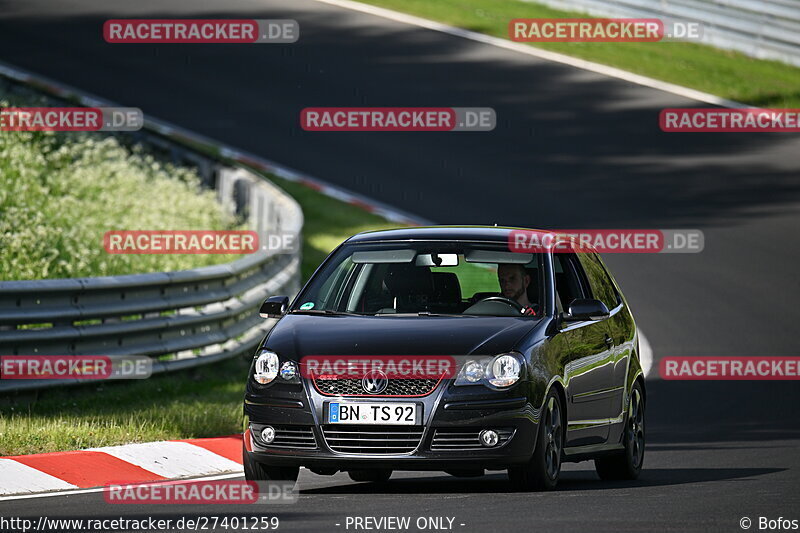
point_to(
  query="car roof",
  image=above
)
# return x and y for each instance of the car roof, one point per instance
(438, 233)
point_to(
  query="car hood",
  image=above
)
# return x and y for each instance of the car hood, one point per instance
(302, 335)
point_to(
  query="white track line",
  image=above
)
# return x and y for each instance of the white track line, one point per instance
(172, 459)
(646, 354)
(18, 477)
(537, 52)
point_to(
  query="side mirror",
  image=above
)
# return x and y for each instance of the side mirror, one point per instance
(586, 309)
(274, 307)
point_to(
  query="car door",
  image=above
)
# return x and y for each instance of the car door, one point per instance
(588, 370)
(618, 326)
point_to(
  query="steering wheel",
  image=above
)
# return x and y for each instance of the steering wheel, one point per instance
(513, 303)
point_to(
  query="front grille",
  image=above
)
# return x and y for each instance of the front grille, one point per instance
(465, 438)
(301, 437)
(369, 439)
(396, 387)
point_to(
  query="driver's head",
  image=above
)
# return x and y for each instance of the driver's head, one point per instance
(514, 281)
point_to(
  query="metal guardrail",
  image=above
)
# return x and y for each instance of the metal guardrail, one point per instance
(179, 319)
(765, 29)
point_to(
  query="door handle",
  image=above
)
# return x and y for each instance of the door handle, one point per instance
(609, 341)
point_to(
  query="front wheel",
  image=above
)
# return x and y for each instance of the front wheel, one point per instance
(255, 471)
(544, 467)
(628, 464)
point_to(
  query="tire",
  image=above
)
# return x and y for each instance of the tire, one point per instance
(628, 464)
(544, 467)
(255, 471)
(373, 476)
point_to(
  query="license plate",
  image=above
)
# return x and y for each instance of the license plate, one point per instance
(372, 413)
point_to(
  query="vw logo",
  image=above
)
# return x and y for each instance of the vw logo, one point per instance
(374, 382)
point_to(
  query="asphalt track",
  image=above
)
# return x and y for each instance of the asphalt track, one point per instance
(572, 149)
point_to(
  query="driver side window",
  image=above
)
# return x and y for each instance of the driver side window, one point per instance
(570, 279)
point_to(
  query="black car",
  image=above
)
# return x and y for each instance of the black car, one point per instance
(543, 371)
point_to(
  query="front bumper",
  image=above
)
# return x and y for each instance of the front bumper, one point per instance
(440, 441)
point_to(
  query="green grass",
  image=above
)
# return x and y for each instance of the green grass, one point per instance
(328, 222)
(202, 402)
(727, 74)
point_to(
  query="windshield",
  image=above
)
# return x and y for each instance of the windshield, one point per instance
(433, 278)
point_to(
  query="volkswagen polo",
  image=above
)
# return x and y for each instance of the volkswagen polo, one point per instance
(445, 348)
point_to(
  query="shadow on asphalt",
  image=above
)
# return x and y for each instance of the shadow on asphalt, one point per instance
(570, 481)
(560, 129)
(701, 447)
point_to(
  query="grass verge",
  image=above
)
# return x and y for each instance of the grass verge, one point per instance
(202, 402)
(723, 73)
(328, 222)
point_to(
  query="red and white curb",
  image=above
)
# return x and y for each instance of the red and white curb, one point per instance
(96, 467)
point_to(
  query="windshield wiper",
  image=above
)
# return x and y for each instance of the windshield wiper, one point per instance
(418, 313)
(321, 312)
(428, 313)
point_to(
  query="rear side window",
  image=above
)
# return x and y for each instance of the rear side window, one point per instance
(601, 285)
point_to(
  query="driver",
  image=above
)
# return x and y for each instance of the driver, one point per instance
(514, 281)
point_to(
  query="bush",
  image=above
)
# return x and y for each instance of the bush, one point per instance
(60, 193)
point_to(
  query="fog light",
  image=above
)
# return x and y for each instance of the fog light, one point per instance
(489, 438)
(268, 434)
(288, 370)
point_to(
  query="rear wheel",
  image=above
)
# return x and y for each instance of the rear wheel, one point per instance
(374, 476)
(542, 471)
(628, 464)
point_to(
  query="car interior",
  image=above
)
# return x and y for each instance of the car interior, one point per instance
(407, 288)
